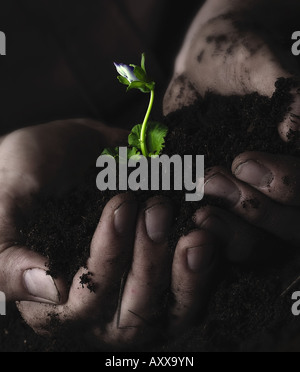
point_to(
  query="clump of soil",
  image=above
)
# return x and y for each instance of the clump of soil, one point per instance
(247, 301)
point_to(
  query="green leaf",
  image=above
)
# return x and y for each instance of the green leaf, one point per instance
(134, 153)
(136, 85)
(143, 63)
(150, 85)
(140, 74)
(140, 86)
(111, 152)
(156, 134)
(123, 80)
(145, 89)
(134, 137)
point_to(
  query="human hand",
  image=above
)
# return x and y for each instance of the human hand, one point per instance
(262, 194)
(134, 273)
(49, 159)
(234, 48)
(223, 52)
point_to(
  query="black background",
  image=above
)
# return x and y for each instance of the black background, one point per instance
(60, 54)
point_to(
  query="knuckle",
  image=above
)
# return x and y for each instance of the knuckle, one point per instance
(204, 213)
(149, 276)
(184, 290)
(115, 258)
(264, 214)
(127, 337)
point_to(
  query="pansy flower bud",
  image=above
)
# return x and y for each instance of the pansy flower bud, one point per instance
(126, 72)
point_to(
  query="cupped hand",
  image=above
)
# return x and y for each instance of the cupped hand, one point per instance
(232, 49)
(46, 159)
(130, 266)
(142, 291)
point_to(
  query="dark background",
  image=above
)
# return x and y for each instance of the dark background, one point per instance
(60, 55)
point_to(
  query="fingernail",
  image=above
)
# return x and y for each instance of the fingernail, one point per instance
(125, 217)
(200, 258)
(219, 186)
(41, 286)
(254, 174)
(158, 219)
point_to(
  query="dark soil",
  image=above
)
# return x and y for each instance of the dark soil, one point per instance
(246, 311)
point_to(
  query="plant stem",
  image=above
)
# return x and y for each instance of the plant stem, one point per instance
(143, 138)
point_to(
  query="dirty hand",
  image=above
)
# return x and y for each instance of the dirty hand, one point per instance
(232, 48)
(134, 272)
(46, 159)
(262, 194)
(132, 268)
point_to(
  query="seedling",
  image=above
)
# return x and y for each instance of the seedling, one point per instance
(147, 139)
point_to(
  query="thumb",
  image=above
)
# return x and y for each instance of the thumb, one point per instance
(23, 273)
(23, 277)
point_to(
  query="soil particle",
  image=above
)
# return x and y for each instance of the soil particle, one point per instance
(86, 280)
(200, 56)
(251, 203)
(286, 181)
(218, 40)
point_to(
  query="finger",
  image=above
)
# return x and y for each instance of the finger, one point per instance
(290, 127)
(253, 206)
(149, 277)
(111, 253)
(276, 176)
(96, 301)
(240, 241)
(194, 267)
(24, 277)
(23, 273)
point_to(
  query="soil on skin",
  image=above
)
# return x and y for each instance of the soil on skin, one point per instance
(250, 308)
